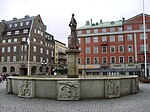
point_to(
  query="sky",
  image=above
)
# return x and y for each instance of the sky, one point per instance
(56, 14)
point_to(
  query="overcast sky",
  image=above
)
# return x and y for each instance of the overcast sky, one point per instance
(56, 14)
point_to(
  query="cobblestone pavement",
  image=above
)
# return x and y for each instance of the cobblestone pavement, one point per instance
(139, 102)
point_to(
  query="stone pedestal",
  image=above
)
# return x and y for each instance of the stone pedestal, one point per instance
(72, 62)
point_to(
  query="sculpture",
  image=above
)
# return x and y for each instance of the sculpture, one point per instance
(73, 40)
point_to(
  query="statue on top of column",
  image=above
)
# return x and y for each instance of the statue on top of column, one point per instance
(73, 40)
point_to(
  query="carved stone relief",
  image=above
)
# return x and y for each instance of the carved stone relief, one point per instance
(68, 90)
(112, 88)
(25, 89)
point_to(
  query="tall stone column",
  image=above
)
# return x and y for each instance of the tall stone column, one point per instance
(72, 63)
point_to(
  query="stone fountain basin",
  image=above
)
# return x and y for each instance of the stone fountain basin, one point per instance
(72, 88)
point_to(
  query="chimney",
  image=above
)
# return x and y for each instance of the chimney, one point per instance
(101, 21)
(87, 23)
(123, 19)
(14, 18)
(26, 16)
(91, 21)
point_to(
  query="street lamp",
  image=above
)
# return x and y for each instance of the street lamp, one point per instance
(44, 64)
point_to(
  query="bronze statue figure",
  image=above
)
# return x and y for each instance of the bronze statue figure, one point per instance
(73, 40)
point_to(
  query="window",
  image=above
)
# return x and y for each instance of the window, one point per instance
(119, 29)
(25, 47)
(15, 39)
(142, 36)
(87, 31)
(34, 30)
(104, 49)
(130, 48)
(113, 60)
(17, 32)
(79, 40)
(120, 38)
(9, 40)
(95, 30)
(47, 60)
(41, 59)
(87, 50)
(104, 38)
(95, 60)
(130, 59)
(8, 49)
(104, 60)
(21, 23)
(38, 31)
(10, 25)
(121, 48)
(112, 38)
(141, 26)
(95, 49)
(47, 52)
(8, 58)
(34, 48)
(121, 59)
(129, 27)
(8, 33)
(79, 60)
(24, 39)
(79, 32)
(25, 31)
(15, 49)
(112, 49)
(87, 40)
(3, 41)
(130, 37)
(12, 69)
(87, 60)
(41, 50)
(52, 53)
(41, 42)
(3, 49)
(103, 30)
(95, 39)
(142, 48)
(14, 58)
(34, 58)
(112, 29)
(2, 59)
(27, 22)
(34, 39)
(15, 25)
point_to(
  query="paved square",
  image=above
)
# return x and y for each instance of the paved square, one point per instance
(139, 102)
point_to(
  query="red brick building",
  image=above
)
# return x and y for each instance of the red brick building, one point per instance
(114, 47)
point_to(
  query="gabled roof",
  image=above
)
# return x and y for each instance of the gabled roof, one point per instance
(139, 15)
(102, 25)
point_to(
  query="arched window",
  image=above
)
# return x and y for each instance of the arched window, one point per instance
(12, 69)
(4, 69)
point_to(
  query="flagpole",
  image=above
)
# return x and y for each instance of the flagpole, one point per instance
(29, 48)
(144, 40)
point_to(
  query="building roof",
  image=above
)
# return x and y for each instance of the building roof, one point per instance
(17, 24)
(102, 25)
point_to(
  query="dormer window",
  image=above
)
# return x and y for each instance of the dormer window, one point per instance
(10, 25)
(27, 22)
(15, 25)
(21, 23)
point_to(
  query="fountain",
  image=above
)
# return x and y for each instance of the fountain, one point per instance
(73, 87)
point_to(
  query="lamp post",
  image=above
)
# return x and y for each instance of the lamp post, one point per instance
(44, 64)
